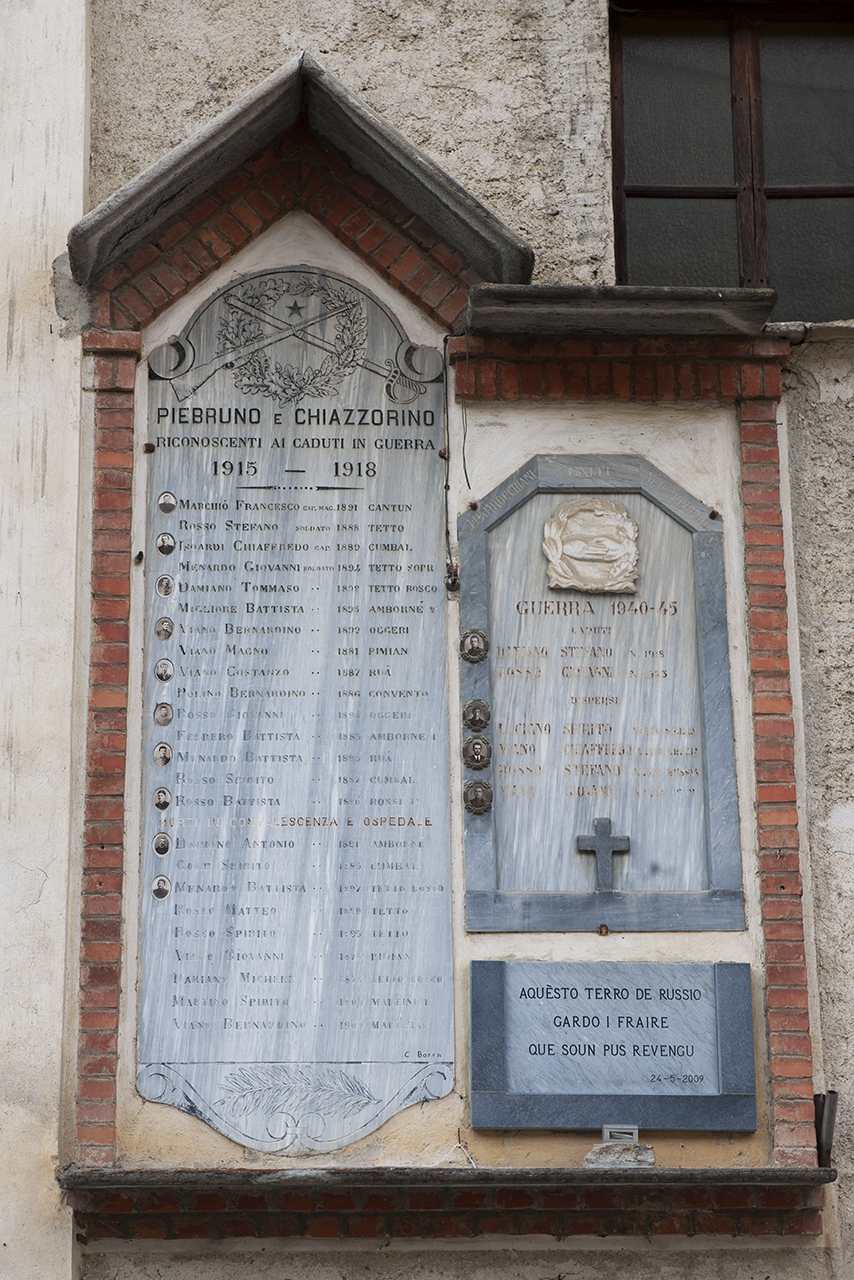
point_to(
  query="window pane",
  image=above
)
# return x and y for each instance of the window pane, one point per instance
(677, 102)
(811, 254)
(687, 242)
(808, 102)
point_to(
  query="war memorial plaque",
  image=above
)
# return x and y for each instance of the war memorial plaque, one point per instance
(579, 1046)
(594, 639)
(296, 947)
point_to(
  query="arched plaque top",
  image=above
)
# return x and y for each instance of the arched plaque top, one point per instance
(590, 473)
(335, 322)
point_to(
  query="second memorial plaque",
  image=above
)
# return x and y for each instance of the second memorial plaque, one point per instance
(595, 637)
(295, 864)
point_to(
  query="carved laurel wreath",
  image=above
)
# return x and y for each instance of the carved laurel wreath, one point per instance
(286, 383)
(621, 573)
(296, 1091)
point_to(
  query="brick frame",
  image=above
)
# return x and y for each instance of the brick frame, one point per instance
(303, 172)
(781, 886)
(370, 1213)
(115, 357)
(639, 370)
(748, 374)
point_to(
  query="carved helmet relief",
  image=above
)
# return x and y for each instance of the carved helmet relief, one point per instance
(591, 545)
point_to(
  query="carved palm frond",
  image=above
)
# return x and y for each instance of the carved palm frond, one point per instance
(295, 1090)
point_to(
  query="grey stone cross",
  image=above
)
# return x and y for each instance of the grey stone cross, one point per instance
(604, 845)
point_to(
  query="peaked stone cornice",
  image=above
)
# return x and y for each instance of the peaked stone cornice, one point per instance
(136, 212)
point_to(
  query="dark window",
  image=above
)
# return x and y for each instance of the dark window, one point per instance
(734, 152)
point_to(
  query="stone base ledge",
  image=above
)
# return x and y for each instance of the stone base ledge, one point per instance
(436, 1203)
(78, 1180)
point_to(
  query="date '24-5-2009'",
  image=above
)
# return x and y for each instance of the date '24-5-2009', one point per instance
(676, 1079)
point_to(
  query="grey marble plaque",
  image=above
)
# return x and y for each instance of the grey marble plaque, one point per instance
(297, 972)
(664, 1046)
(607, 681)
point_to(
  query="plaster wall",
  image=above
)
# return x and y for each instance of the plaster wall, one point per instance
(512, 100)
(819, 404)
(467, 1260)
(42, 159)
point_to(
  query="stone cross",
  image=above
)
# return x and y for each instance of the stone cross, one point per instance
(604, 845)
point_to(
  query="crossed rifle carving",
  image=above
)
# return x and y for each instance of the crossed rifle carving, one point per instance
(187, 383)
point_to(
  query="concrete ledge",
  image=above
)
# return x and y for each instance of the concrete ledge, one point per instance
(82, 1181)
(796, 331)
(617, 309)
(135, 213)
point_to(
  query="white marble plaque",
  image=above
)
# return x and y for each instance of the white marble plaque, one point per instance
(596, 710)
(593, 590)
(579, 1046)
(611, 1028)
(296, 986)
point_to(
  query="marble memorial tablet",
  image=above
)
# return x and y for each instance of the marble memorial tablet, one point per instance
(579, 1046)
(594, 588)
(297, 974)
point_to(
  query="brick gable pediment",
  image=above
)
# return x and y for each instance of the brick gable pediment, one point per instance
(300, 140)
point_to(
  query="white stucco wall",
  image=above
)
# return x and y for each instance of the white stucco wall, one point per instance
(42, 161)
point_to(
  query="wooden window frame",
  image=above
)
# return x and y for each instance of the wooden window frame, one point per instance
(749, 191)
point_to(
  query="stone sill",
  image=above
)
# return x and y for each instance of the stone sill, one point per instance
(796, 331)
(107, 1180)
(623, 310)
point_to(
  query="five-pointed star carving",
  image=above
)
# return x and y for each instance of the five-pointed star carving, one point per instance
(295, 309)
